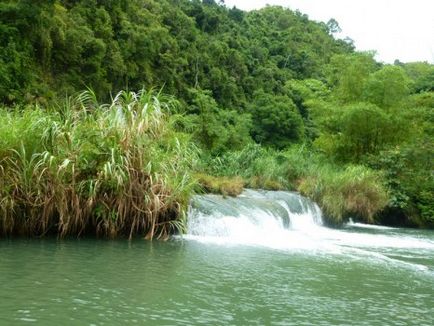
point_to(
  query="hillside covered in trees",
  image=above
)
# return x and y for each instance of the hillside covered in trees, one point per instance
(267, 98)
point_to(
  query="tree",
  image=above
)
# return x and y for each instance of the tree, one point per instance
(366, 129)
(387, 87)
(349, 73)
(217, 130)
(276, 120)
(422, 75)
(333, 26)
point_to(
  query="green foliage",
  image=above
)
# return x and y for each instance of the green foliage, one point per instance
(61, 46)
(361, 129)
(421, 74)
(387, 87)
(26, 131)
(355, 191)
(421, 100)
(215, 129)
(276, 120)
(349, 74)
(410, 180)
(258, 166)
(269, 76)
(221, 185)
(116, 169)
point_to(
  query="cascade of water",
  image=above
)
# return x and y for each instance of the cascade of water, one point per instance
(266, 218)
(286, 220)
(279, 210)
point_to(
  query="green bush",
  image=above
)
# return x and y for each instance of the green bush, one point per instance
(355, 191)
(276, 121)
(116, 169)
(260, 167)
(408, 173)
(362, 129)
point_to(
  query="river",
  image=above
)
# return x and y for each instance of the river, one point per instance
(261, 259)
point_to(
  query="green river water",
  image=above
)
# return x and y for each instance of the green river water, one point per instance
(304, 275)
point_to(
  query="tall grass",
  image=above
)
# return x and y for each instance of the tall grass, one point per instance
(123, 169)
(355, 191)
(111, 169)
(260, 167)
(342, 192)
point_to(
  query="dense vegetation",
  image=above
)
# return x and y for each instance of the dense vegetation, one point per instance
(114, 169)
(265, 99)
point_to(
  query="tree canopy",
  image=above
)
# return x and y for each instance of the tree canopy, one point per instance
(269, 76)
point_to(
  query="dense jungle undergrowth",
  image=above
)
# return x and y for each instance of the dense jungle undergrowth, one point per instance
(261, 99)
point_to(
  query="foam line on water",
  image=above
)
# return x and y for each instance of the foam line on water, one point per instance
(369, 226)
(260, 226)
(358, 254)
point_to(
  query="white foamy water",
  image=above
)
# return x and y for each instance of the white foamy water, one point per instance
(287, 221)
(369, 226)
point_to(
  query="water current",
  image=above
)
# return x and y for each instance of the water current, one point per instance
(264, 258)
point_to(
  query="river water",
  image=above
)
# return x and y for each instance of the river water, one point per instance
(261, 259)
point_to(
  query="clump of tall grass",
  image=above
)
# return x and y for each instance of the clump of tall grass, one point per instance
(22, 128)
(258, 166)
(112, 169)
(355, 191)
(226, 186)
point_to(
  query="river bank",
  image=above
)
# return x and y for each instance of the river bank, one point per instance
(126, 168)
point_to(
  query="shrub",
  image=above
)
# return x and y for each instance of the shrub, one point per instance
(355, 191)
(259, 167)
(117, 169)
(225, 186)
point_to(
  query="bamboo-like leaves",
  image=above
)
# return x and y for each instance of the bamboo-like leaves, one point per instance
(118, 169)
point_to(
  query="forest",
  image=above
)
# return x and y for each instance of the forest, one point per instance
(113, 112)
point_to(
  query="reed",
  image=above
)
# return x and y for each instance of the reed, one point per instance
(342, 192)
(226, 186)
(258, 166)
(111, 169)
(355, 191)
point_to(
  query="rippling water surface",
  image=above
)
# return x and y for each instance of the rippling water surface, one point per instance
(227, 271)
(90, 282)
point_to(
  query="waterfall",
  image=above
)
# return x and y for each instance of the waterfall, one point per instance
(287, 221)
(216, 215)
(267, 218)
